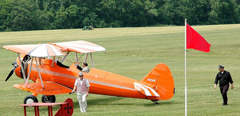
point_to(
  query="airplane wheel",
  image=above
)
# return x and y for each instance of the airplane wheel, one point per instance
(155, 102)
(48, 99)
(30, 99)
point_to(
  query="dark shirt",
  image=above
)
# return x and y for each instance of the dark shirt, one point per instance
(224, 78)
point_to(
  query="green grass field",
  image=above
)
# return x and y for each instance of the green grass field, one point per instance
(133, 52)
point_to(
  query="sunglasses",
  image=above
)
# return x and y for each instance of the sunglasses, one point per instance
(81, 76)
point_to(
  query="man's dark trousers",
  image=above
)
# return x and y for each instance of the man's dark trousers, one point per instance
(223, 90)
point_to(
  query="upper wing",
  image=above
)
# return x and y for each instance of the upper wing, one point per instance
(72, 46)
(22, 49)
(39, 50)
(79, 46)
(50, 88)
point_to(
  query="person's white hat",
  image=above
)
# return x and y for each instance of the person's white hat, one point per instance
(80, 73)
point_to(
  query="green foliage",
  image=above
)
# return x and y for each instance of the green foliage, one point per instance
(223, 11)
(20, 15)
(196, 11)
(5, 8)
(61, 20)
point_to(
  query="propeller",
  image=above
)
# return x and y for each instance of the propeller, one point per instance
(15, 65)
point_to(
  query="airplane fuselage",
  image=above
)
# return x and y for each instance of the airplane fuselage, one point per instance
(102, 82)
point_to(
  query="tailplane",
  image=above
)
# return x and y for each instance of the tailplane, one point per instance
(161, 80)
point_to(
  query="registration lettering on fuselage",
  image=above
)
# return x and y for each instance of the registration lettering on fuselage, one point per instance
(152, 80)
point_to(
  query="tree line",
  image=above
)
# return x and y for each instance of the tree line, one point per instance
(18, 15)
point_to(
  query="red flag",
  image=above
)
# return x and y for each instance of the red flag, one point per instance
(196, 41)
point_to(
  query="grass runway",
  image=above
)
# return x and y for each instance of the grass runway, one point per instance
(133, 52)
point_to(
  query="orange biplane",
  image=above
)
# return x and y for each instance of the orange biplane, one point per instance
(51, 77)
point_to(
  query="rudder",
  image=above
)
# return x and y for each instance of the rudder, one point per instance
(160, 78)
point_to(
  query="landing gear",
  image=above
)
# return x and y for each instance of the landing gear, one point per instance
(48, 99)
(30, 99)
(155, 102)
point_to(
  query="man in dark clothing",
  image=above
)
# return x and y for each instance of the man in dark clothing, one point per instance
(224, 78)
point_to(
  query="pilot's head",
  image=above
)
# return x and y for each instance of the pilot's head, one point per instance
(85, 64)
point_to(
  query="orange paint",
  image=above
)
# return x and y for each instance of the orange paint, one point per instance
(59, 80)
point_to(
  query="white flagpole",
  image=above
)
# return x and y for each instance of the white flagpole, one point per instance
(185, 67)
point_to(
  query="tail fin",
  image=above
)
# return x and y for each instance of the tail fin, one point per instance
(160, 78)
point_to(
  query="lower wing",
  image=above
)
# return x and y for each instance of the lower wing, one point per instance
(50, 88)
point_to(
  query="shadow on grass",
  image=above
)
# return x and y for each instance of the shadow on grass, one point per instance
(104, 101)
(112, 101)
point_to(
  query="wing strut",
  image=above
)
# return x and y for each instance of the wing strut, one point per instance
(86, 57)
(76, 56)
(29, 71)
(53, 60)
(22, 68)
(65, 57)
(39, 72)
(91, 59)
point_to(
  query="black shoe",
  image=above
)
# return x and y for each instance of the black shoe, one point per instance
(224, 104)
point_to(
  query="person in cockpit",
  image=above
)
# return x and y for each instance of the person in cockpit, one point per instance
(85, 67)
